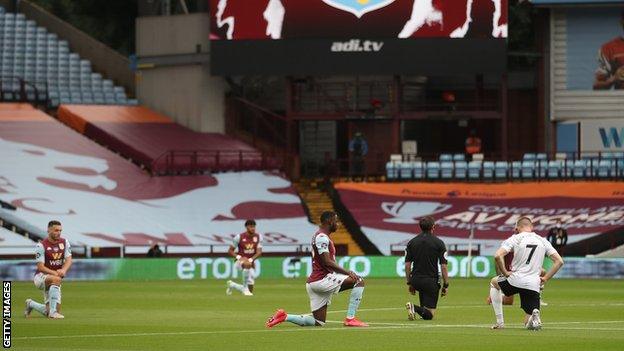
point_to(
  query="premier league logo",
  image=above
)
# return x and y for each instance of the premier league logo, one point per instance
(408, 212)
(358, 7)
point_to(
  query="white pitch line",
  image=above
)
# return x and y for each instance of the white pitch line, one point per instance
(508, 326)
(206, 332)
(374, 326)
(485, 306)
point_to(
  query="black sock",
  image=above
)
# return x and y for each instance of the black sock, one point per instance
(423, 312)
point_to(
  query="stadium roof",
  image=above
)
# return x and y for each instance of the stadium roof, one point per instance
(576, 2)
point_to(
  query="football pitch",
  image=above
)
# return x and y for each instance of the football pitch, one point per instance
(197, 315)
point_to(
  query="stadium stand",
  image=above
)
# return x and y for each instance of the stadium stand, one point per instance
(52, 171)
(598, 166)
(36, 65)
(12, 244)
(158, 143)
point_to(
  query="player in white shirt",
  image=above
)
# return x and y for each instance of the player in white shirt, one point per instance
(524, 277)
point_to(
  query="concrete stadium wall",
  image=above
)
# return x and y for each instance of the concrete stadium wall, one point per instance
(179, 84)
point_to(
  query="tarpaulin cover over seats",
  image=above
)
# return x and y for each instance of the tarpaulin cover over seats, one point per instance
(149, 138)
(48, 171)
(388, 213)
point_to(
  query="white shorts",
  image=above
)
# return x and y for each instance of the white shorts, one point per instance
(321, 291)
(39, 281)
(250, 276)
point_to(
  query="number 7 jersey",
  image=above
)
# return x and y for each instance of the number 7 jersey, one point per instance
(529, 250)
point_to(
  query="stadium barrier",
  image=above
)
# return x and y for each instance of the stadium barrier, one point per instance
(288, 267)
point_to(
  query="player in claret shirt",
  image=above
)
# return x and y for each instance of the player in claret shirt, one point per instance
(327, 279)
(53, 256)
(246, 248)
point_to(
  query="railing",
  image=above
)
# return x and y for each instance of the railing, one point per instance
(214, 250)
(188, 162)
(265, 130)
(341, 97)
(21, 90)
(82, 251)
(369, 165)
(381, 97)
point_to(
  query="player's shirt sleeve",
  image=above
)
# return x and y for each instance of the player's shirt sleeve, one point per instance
(322, 243)
(259, 241)
(549, 248)
(442, 253)
(409, 257)
(604, 67)
(235, 241)
(39, 253)
(68, 252)
(510, 243)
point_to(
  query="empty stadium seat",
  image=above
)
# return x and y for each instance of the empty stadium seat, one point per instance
(542, 167)
(406, 170)
(459, 157)
(529, 157)
(418, 169)
(461, 169)
(474, 170)
(554, 169)
(579, 169)
(392, 170)
(605, 169)
(515, 170)
(501, 169)
(488, 170)
(31, 53)
(433, 170)
(568, 170)
(446, 157)
(528, 168)
(446, 170)
(541, 157)
(477, 157)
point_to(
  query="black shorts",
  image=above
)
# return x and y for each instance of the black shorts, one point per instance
(428, 290)
(529, 299)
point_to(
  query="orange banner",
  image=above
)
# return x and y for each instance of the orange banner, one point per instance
(24, 115)
(113, 114)
(602, 189)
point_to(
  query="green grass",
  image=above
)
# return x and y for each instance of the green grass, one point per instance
(196, 315)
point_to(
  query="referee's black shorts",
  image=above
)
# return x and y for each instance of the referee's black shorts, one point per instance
(529, 299)
(428, 290)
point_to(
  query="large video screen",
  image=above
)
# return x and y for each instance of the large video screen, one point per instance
(357, 36)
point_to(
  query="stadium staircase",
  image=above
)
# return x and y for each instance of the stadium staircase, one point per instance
(317, 201)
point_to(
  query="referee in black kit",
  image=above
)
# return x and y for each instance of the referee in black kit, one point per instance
(422, 255)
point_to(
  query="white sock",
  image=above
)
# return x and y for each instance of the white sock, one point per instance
(55, 297)
(237, 287)
(497, 304)
(246, 278)
(39, 307)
